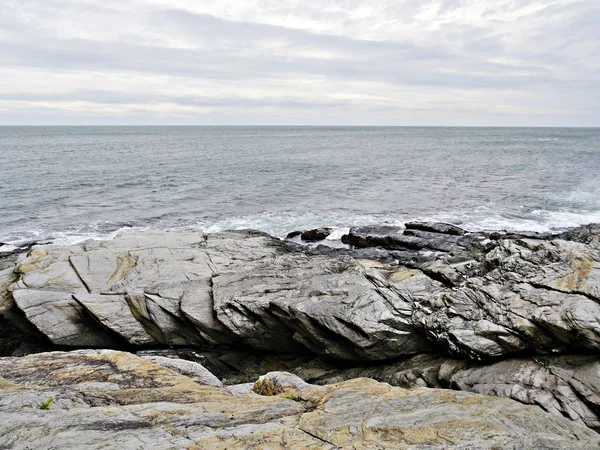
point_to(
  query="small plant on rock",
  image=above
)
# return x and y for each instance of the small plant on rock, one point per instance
(46, 405)
(266, 386)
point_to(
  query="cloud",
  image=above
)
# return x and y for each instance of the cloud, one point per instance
(478, 62)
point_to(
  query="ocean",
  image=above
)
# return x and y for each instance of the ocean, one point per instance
(67, 184)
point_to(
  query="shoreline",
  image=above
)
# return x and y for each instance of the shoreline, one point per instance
(424, 306)
(74, 237)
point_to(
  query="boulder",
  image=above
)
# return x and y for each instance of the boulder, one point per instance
(316, 234)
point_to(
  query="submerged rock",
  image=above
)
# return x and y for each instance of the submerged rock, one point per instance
(115, 400)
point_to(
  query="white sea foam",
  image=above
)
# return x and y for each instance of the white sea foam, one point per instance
(479, 219)
(63, 238)
(337, 233)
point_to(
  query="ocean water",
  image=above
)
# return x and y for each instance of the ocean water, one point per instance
(65, 184)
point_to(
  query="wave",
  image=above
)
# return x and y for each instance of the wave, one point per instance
(280, 224)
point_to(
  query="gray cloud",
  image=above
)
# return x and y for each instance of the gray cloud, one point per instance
(81, 57)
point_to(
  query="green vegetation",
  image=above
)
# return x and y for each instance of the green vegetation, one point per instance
(46, 405)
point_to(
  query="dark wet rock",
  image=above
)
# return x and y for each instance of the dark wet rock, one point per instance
(587, 234)
(436, 227)
(9, 259)
(374, 254)
(372, 236)
(397, 238)
(317, 234)
(497, 235)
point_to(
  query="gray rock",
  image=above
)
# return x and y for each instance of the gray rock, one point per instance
(436, 227)
(563, 385)
(186, 289)
(487, 298)
(61, 319)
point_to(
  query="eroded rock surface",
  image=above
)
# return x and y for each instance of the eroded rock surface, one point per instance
(565, 385)
(189, 289)
(115, 400)
(460, 309)
(472, 297)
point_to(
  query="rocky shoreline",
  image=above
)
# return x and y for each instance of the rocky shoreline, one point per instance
(420, 307)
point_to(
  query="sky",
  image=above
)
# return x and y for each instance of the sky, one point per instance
(292, 62)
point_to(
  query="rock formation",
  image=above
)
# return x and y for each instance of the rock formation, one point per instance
(504, 314)
(114, 400)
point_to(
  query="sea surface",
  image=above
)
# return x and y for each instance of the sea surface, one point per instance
(66, 184)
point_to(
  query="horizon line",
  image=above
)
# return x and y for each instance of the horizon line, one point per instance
(293, 126)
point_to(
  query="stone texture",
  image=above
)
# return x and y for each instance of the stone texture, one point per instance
(115, 400)
(564, 385)
(466, 299)
(188, 289)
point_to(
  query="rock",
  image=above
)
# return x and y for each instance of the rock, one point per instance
(115, 400)
(587, 234)
(62, 319)
(188, 289)
(373, 254)
(8, 258)
(196, 372)
(516, 296)
(372, 236)
(238, 296)
(566, 385)
(17, 335)
(246, 288)
(397, 238)
(436, 227)
(316, 234)
(275, 383)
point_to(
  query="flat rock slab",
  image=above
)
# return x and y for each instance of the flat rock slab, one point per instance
(114, 400)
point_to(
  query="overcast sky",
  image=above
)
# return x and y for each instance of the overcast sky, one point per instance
(317, 62)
